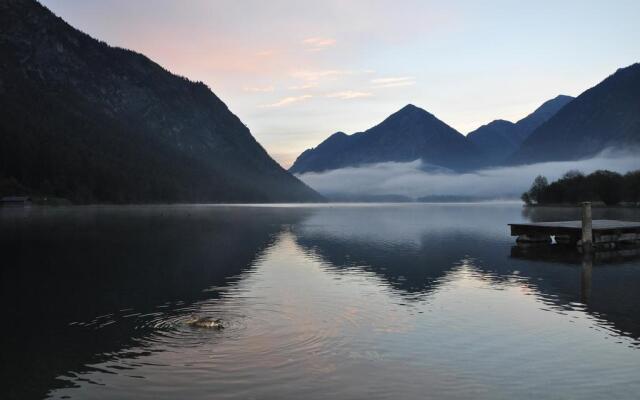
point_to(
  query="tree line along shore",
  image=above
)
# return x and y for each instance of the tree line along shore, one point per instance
(603, 187)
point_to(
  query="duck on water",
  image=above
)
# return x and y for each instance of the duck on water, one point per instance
(204, 322)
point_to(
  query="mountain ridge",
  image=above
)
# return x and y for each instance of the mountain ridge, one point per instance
(541, 114)
(499, 139)
(604, 116)
(113, 126)
(406, 135)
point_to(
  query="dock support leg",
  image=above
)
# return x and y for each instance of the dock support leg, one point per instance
(587, 229)
(585, 277)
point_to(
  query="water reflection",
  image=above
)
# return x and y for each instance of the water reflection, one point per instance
(613, 272)
(86, 285)
(415, 250)
(586, 278)
(329, 301)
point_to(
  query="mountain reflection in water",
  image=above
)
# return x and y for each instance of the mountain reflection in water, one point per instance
(340, 301)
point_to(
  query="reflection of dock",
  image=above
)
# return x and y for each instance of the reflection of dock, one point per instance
(568, 255)
(564, 254)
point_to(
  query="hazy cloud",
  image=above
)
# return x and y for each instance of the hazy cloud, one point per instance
(305, 86)
(393, 82)
(348, 94)
(315, 75)
(265, 53)
(288, 100)
(318, 43)
(259, 89)
(410, 178)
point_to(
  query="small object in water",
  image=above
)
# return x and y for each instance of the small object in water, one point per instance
(205, 322)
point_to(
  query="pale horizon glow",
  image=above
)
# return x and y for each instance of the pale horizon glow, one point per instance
(296, 72)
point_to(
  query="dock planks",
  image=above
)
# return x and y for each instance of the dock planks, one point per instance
(604, 231)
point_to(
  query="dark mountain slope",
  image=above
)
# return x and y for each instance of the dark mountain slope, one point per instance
(499, 139)
(409, 134)
(327, 155)
(541, 114)
(90, 122)
(605, 116)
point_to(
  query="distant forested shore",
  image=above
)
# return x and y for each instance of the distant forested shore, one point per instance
(606, 187)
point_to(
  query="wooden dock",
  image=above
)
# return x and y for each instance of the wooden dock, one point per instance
(604, 232)
(599, 240)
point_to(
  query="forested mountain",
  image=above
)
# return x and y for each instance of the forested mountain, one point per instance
(409, 134)
(499, 139)
(605, 116)
(93, 123)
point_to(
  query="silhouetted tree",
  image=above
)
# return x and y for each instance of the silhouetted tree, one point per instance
(607, 186)
(537, 188)
(631, 191)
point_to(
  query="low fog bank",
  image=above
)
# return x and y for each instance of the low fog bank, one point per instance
(411, 180)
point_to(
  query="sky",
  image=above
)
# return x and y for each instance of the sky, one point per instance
(297, 71)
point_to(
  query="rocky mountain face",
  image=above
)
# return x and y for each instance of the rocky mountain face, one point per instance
(409, 134)
(83, 120)
(605, 116)
(499, 139)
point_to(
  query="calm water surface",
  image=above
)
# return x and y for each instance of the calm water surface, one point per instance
(342, 302)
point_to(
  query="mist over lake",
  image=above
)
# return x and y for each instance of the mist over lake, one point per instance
(415, 179)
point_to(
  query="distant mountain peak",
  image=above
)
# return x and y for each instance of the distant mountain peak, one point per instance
(631, 69)
(563, 97)
(499, 122)
(334, 140)
(410, 109)
(408, 134)
(499, 139)
(412, 116)
(553, 105)
(337, 135)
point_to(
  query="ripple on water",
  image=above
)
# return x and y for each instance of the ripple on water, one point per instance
(277, 335)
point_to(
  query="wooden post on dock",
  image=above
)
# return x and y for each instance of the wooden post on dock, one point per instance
(587, 229)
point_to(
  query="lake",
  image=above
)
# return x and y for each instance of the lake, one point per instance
(407, 301)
